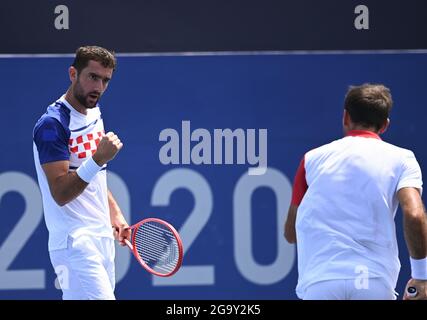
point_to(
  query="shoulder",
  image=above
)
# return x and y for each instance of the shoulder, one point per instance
(54, 122)
(326, 148)
(399, 152)
(59, 112)
(56, 116)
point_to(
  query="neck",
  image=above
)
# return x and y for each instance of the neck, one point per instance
(69, 96)
(360, 128)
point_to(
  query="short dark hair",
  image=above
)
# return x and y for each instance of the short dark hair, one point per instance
(368, 104)
(84, 54)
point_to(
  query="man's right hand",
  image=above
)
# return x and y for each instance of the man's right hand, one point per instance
(420, 285)
(108, 147)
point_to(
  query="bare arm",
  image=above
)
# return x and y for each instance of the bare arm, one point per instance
(290, 232)
(66, 186)
(415, 229)
(414, 222)
(298, 191)
(118, 221)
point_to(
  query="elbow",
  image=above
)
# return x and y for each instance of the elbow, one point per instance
(60, 201)
(290, 229)
(290, 235)
(414, 216)
(290, 238)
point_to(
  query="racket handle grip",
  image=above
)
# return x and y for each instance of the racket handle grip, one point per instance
(411, 292)
(130, 246)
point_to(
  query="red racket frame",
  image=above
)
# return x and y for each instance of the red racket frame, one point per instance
(132, 246)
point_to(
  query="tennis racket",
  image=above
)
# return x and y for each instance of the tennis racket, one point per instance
(157, 246)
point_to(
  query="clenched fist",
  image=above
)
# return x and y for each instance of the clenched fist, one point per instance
(108, 147)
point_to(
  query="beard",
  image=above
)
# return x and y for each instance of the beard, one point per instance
(87, 100)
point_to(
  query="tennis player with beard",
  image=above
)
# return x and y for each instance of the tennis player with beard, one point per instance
(71, 152)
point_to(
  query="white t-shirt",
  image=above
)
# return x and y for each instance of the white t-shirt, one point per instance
(63, 133)
(345, 221)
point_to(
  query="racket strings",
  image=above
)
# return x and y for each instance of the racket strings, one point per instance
(157, 247)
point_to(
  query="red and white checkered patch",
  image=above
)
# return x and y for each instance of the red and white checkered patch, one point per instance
(85, 145)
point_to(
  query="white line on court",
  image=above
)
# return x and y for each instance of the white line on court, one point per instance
(223, 53)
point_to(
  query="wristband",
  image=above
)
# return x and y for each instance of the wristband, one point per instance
(418, 268)
(88, 169)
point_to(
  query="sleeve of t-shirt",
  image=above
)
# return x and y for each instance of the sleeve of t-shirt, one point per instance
(51, 140)
(411, 173)
(300, 184)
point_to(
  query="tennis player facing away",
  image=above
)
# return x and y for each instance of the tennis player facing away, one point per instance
(71, 153)
(345, 197)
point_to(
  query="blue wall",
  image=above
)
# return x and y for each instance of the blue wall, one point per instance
(234, 243)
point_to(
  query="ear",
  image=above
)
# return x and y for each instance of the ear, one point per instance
(346, 119)
(384, 127)
(72, 72)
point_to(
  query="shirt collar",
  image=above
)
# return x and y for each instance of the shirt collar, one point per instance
(73, 110)
(363, 133)
(69, 106)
